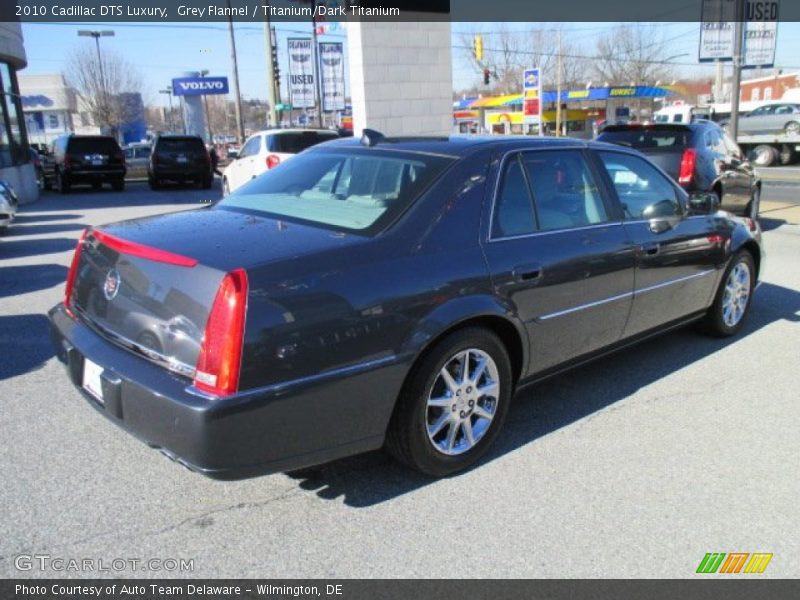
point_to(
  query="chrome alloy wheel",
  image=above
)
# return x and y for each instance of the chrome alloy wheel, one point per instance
(736, 295)
(462, 402)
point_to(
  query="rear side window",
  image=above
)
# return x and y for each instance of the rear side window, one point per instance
(294, 143)
(513, 209)
(648, 138)
(251, 147)
(643, 191)
(91, 145)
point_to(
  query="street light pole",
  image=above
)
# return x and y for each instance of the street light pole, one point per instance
(97, 35)
(737, 68)
(268, 42)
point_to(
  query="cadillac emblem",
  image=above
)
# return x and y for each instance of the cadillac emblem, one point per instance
(111, 284)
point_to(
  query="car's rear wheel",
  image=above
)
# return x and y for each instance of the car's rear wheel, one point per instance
(62, 184)
(734, 296)
(118, 185)
(792, 128)
(206, 183)
(153, 183)
(453, 404)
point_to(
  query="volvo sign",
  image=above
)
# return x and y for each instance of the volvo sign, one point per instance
(199, 86)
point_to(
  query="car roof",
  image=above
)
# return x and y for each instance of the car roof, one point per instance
(292, 130)
(462, 145)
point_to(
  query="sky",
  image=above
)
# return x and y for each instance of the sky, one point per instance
(161, 51)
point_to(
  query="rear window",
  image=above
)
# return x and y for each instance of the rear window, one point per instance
(355, 191)
(294, 143)
(186, 144)
(86, 145)
(648, 138)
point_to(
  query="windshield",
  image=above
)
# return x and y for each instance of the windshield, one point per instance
(352, 190)
(648, 138)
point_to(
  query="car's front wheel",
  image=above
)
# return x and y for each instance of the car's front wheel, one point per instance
(734, 296)
(453, 404)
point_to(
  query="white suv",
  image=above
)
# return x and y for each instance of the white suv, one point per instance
(267, 149)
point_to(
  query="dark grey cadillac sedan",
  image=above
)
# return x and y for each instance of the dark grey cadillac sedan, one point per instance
(389, 292)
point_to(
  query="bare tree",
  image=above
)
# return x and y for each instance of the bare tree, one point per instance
(632, 54)
(508, 53)
(100, 88)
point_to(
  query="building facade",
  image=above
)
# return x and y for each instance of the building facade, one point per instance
(15, 162)
(49, 105)
(765, 89)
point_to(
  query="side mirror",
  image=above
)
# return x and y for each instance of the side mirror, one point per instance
(703, 203)
(233, 154)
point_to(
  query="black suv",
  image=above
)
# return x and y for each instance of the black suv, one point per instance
(700, 156)
(87, 159)
(179, 158)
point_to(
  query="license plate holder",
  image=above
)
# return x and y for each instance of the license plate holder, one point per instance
(92, 380)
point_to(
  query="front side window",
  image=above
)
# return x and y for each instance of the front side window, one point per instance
(642, 190)
(352, 190)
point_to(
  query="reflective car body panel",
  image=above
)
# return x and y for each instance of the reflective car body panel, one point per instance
(336, 319)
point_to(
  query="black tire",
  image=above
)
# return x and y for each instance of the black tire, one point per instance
(786, 155)
(206, 183)
(763, 155)
(792, 128)
(714, 322)
(153, 183)
(96, 185)
(118, 185)
(46, 184)
(407, 437)
(62, 184)
(754, 206)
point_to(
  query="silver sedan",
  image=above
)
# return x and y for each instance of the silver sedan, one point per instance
(772, 118)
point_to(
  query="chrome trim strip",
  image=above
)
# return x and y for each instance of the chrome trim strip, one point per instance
(567, 311)
(635, 293)
(282, 386)
(171, 364)
(673, 281)
(551, 231)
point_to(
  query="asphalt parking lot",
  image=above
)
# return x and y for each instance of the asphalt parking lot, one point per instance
(634, 466)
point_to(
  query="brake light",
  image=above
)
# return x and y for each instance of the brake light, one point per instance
(273, 160)
(73, 272)
(142, 251)
(686, 173)
(220, 357)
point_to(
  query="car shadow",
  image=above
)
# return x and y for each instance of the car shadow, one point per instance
(135, 194)
(19, 231)
(22, 280)
(548, 406)
(24, 344)
(768, 224)
(32, 247)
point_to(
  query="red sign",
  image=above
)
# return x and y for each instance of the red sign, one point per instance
(530, 107)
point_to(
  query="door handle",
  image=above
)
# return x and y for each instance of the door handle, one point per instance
(527, 273)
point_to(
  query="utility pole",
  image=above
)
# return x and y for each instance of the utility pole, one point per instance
(558, 88)
(718, 82)
(237, 95)
(168, 92)
(738, 36)
(103, 90)
(315, 56)
(203, 73)
(268, 43)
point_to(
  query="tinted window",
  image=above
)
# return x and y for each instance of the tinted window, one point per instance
(678, 118)
(252, 147)
(176, 145)
(513, 210)
(647, 138)
(343, 190)
(294, 143)
(86, 145)
(643, 191)
(564, 191)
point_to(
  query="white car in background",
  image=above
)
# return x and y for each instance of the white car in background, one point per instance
(267, 149)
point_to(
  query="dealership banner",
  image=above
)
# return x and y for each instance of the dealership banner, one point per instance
(331, 61)
(717, 30)
(301, 73)
(199, 86)
(761, 34)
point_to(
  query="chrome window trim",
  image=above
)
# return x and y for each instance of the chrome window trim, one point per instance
(633, 294)
(490, 238)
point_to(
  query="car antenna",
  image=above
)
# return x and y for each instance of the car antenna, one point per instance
(370, 137)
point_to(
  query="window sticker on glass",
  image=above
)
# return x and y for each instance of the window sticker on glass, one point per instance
(626, 177)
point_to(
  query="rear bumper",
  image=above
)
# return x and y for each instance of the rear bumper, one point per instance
(277, 428)
(179, 174)
(78, 176)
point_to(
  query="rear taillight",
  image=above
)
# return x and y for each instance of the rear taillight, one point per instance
(273, 160)
(686, 173)
(142, 251)
(73, 272)
(221, 349)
